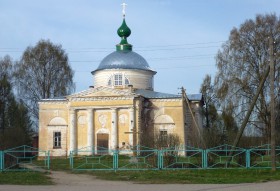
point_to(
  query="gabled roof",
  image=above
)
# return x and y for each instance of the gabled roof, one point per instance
(158, 95)
(155, 95)
(195, 97)
(101, 92)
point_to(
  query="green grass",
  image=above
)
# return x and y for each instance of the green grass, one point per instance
(25, 178)
(197, 176)
(214, 176)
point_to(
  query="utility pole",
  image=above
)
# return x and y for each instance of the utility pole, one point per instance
(272, 105)
(185, 98)
(248, 114)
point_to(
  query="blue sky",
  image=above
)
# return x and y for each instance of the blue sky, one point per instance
(178, 38)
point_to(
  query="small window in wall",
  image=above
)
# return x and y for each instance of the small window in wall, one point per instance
(57, 140)
(118, 79)
(163, 142)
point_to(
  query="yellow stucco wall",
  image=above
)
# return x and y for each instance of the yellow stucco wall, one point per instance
(174, 109)
(103, 109)
(47, 113)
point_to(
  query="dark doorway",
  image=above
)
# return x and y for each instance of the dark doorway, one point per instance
(102, 143)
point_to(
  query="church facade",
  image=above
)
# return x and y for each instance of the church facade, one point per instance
(119, 112)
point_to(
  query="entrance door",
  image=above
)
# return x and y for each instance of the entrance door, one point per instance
(102, 143)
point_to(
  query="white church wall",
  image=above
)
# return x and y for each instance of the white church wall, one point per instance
(138, 78)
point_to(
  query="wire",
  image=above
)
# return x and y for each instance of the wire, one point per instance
(183, 67)
(143, 48)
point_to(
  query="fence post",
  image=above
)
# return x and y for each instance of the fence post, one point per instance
(202, 158)
(206, 158)
(71, 160)
(48, 162)
(160, 159)
(1, 164)
(115, 160)
(248, 158)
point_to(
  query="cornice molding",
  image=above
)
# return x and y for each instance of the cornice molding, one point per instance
(101, 98)
(165, 100)
(52, 102)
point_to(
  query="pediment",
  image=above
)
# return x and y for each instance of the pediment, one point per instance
(102, 92)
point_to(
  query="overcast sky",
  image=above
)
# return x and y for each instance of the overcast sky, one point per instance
(178, 38)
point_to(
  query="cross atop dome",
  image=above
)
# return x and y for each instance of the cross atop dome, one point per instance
(123, 10)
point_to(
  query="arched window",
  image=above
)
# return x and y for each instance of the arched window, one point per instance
(126, 82)
(110, 81)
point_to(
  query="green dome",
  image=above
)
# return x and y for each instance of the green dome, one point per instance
(124, 30)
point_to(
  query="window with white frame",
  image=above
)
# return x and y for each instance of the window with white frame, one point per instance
(57, 139)
(118, 79)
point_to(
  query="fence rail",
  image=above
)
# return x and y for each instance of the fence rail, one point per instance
(140, 158)
(25, 158)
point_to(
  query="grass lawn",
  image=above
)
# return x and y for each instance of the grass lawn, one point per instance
(198, 176)
(25, 178)
(215, 176)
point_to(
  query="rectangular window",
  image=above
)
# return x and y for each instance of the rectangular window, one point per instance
(118, 80)
(57, 140)
(163, 138)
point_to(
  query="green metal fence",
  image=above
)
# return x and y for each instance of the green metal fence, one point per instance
(225, 156)
(143, 158)
(98, 158)
(140, 158)
(24, 158)
(260, 157)
(182, 158)
(91, 158)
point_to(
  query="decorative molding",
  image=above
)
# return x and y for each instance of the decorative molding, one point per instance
(57, 121)
(123, 119)
(102, 120)
(96, 108)
(103, 130)
(101, 88)
(56, 113)
(101, 98)
(82, 120)
(52, 102)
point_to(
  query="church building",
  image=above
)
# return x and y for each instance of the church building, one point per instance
(120, 111)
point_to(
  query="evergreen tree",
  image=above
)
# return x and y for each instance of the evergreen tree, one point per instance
(15, 123)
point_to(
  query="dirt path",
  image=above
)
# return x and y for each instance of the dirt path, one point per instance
(81, 182)
(69, 179)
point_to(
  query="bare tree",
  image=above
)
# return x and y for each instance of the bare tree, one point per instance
(210, 102)
(43, 72)
(241, 64)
